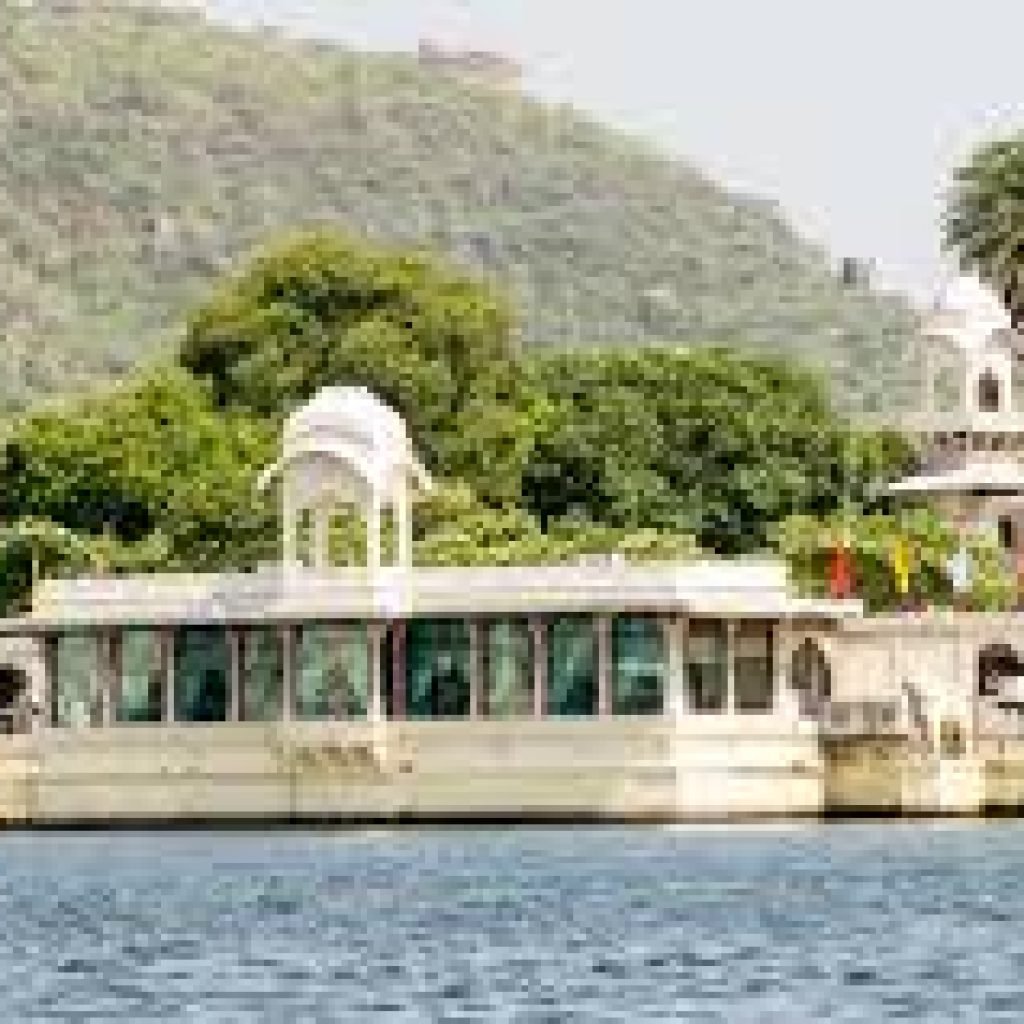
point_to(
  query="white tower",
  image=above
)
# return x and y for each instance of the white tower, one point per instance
(346, 447)
(970, 431)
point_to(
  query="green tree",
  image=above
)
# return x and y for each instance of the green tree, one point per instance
(984, 218)
(34, 549)
(807, 545)
(319, 309)
(539, 456)
(153, 456)
(457, 529)
(707, 442)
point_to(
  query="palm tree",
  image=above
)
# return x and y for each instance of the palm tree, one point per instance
(984, 219)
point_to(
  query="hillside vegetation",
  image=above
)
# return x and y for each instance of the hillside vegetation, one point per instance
(147, 150)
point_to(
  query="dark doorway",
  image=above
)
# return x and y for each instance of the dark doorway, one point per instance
(13, 700)
(811, 677)
(995, 663)
(988, 392)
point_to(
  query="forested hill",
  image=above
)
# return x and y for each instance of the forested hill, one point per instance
(144, 150)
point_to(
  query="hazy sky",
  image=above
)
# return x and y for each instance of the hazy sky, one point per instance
(851, 114)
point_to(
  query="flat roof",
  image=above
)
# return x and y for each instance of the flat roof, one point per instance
(993, 477)
(729, 588)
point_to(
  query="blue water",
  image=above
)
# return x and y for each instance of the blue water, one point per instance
(862, 922)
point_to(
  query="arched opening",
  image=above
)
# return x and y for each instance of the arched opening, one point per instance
(1007, 533)
(14, 704)
(989, 397)
(1000, 690)
(811, 678)
(997, 664)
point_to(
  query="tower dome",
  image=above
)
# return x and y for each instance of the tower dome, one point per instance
(968, 312)
(348, 416)
(346, 446)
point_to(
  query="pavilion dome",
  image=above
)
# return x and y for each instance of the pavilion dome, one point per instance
(969, 313)
(353, 414)
(350, 426)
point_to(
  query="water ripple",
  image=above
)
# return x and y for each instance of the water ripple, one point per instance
(846, 923)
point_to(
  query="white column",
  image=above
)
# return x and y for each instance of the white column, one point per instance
(167, 656)
(375, 637)
(48, 697)
(321, 536)
(288, 661)
(373, 531)
(730, 666)
(108, 693)
(786, 702)
(235, 679)
(476, 675)
(603, 625)
(539, 645)
(403, 517)
(289, 527)
(677, 697)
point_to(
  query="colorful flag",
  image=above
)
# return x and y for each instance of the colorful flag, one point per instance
(840, 572)
(901, 565)
(960, 569)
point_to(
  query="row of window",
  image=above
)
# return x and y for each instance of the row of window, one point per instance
(429, 668)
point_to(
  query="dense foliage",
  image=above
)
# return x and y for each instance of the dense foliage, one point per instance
(808, 545)
(145, 150)
(539, 456)
(984, 221)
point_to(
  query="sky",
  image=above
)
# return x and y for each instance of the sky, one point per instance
(850, 114)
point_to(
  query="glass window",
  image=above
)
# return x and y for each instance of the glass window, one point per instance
(639, 666)
(332, 672)
(754, 666)
(77, 679)
(438, 668)
(202, 667)
(508, 668)
(572, 666)
(262, 674)
(706, 665)
(140, 676)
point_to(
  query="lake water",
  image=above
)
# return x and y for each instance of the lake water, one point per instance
(857, 922)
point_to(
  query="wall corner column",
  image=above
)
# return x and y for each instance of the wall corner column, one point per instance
(111, 678)
(730, 666)
(48, 697)
(539, 645)
(167, 659)
(477, 704)
(677, 702)
(784, 701)
(375, 637)
(603, 625)
(399, 683)
(235, 709)
(288, 667)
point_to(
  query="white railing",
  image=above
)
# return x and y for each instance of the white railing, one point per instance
(730, 586)
(863, 719)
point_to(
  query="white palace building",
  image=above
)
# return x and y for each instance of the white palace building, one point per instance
(307, 692)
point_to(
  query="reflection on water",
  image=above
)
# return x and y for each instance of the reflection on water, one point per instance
(857, 922)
